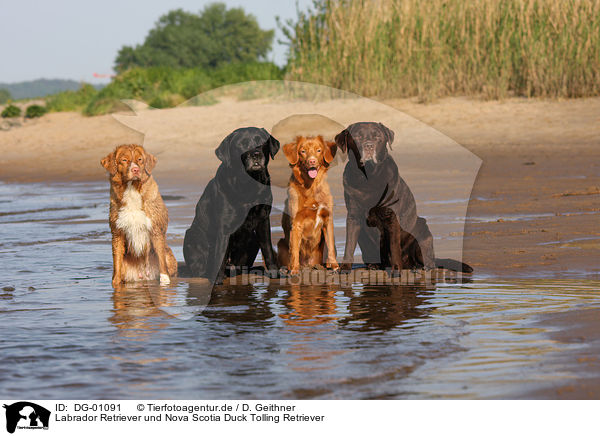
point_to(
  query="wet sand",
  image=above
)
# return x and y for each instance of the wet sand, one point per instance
(541, 173)
(575, 327)
(533, 211)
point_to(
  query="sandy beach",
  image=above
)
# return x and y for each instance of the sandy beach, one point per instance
(511, 187)
(533, 210)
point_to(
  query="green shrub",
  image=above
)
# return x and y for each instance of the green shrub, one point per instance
(11, 111)
(203, 100)
(71, 100)
(35, 111)
(163, 87)
(190, 83)
(166, 99)
(105, 106)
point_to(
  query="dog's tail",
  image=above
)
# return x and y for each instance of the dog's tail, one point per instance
(453, 265)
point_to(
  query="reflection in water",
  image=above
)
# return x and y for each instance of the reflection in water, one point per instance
(385, 307)
(358, 307)
(353, 341)
(309, 315)
(240, 305)
(305, 319)
(309, 306)
(68, 334)
(141, 306)
(135, 314)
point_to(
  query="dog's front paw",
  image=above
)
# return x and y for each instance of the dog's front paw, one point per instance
(164, 279)
(346, 267)
(334, 266)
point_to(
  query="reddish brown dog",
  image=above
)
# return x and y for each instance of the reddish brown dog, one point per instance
(138, 218)
(308, 217)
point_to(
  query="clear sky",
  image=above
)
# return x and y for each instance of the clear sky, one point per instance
(72, 39)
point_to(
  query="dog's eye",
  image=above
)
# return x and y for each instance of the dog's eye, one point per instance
(319, 150)
(139, 159)
(302, 151)
(124, 159)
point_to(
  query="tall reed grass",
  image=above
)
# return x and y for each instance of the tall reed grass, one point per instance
(433, 48)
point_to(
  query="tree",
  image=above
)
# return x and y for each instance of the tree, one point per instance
(207, 40)
(4, 96)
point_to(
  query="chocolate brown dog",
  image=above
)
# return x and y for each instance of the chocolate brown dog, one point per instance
(398, 249)
(371, 171)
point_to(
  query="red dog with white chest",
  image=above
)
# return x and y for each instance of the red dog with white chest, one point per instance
(138, 218)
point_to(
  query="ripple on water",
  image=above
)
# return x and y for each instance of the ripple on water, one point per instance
(73, 336)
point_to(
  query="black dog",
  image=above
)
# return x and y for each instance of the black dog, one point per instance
(369, 172)
(232, 216)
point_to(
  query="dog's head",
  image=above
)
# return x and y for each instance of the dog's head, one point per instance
(250, 147)
(129, 163)
(367, 141)
(310, 154)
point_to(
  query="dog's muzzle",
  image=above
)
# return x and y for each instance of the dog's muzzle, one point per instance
(254, 165)
(369, 152)
(134, 171)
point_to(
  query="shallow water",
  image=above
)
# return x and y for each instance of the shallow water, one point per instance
(68, 334)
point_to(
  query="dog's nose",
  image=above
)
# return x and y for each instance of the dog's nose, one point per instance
(312, 161)
(135, 170)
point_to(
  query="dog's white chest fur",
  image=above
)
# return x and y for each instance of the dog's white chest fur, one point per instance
(133, 221)
(319, 220)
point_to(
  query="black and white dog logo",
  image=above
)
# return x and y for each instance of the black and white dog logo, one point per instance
(26, 415)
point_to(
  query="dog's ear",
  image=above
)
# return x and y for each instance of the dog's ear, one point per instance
(271, 146)
(223, 151)
(291, 152)
(110, 163)
(389, 135)
(343, 140)
(330, 151)
(150, 162)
